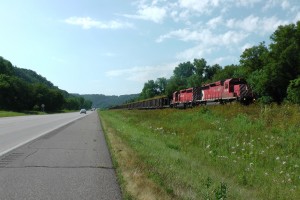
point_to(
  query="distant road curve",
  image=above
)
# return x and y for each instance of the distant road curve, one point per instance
(16, 131)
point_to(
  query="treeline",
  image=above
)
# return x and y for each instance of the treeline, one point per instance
(103, 101)
(272, 71)
(25, 90)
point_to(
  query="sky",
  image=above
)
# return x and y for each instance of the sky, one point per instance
(113, 47)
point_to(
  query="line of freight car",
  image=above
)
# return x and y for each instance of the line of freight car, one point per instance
(153, 103)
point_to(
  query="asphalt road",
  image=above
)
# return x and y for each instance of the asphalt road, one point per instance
(72, 162)
(16, 131)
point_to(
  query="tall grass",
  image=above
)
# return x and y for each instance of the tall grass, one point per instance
(10, 114)
(216, 152)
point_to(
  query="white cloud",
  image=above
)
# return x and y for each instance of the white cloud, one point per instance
(246, 2)
(297, 18)
(246, 46)
(151, 13)
(255, 24)
(213, 23)
(203, 6)
(185, 35)
(207, 42)
(225, 59)
(196, 52)
(144, 73)
(88, 23)
(205, 36)
(249, 24)
(285, 5)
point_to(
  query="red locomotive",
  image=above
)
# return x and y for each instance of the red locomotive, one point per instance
(234, 89)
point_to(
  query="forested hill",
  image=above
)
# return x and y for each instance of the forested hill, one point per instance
(31, 76)
(25, 90)
(102, 101)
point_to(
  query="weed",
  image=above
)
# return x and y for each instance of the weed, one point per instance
(221, 192)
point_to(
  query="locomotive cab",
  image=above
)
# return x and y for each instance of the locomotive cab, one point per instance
(239, 89)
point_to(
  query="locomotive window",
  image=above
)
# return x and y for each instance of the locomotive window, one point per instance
(231, 88)
(226, 86)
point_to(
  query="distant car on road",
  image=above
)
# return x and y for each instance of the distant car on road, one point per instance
(83, 111)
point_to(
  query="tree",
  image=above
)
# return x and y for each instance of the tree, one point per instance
(150, 90)
(5, 67)
(228, 71)
(293, 91)
(161, 84)
(184, 70)
(284, 60)
(252, 59)
(209, 72)
(15, 94)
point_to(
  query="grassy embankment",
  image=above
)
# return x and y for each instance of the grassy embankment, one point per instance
(14, 114)
(216, 152)
(10, 113)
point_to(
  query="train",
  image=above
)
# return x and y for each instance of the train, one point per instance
(221, 92)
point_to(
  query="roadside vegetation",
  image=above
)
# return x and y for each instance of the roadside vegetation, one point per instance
(215, 152)
(10, 114)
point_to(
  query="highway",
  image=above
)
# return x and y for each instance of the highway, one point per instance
(16, 131)
(63, 158)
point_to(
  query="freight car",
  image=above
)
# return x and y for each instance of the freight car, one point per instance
(153, 103)
(234, 89)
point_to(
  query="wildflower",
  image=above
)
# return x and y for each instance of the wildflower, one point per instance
(207, 146)
(296, 166)
(210, 152)
(233, 152)
(251, 164)
(277, 158)
(281, 172)
(283, 162)
(266, 174)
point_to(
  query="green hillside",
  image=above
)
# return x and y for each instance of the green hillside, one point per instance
(25, 90)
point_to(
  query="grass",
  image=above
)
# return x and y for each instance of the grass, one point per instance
(215, 152)
(10, 114)
(14, 114)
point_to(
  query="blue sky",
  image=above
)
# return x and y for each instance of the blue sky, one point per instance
(113, 47)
